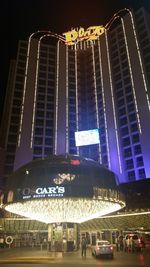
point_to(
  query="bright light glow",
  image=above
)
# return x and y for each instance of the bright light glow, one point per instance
(89, 137)
(76, 210)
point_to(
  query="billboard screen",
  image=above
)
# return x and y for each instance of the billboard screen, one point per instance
(84, 138)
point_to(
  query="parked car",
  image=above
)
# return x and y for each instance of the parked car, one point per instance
(103, 248)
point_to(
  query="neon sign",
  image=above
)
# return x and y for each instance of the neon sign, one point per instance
(92, 33)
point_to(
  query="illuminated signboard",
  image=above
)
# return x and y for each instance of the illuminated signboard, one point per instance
(49, 192)
(90, 137)
(74, 36)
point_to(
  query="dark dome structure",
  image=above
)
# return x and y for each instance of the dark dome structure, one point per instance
(64, 188)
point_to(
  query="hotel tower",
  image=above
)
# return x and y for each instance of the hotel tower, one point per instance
(56, 89)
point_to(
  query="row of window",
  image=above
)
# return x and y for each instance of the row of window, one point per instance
(132, 175)
(130, 163)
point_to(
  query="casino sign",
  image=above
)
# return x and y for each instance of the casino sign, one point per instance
(76, 35)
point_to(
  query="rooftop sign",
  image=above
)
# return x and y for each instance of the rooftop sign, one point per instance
(92, 33)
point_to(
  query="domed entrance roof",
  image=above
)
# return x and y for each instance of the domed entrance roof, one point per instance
(62, 188)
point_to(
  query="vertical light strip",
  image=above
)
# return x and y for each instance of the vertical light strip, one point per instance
(56, 104)
(77, 108)
(35, 92)
(131, 76)
(104, 104)
(140, 59)
(96, 102)
(24, 89)
(113, 102)
(84, 45)
(67, 121)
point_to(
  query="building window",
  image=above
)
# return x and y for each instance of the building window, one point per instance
(121, 102)
(128, 89)
(142, 173)
(103, 149)
(103, 139)
(48, 141)
(134, 127)
(48, 151)
(132, 117)
(122, 111)
(105, 159)
(124, 131)
(129, 98)
(123, 121)
(49, 132)
(131, 176)
(137, 150)
(38, 150)
(135, 138)
(38, 140)
(127, 152)
(126, 141)
(129, 164)
(139, 161)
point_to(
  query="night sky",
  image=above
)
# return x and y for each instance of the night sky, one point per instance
(19, 18)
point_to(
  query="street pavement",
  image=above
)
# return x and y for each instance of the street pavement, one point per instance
(42, 256)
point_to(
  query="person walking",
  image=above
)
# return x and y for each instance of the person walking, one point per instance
(117, 243)
(83, 247)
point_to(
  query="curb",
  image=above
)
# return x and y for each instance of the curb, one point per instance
(25, 260)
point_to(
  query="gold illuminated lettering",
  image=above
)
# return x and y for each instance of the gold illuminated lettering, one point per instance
(71, 37)
(91, 33)
(81, 33)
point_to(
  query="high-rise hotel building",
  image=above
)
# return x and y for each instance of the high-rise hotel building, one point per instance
(56, 89)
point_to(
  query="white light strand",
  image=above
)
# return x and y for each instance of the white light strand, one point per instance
(24, 89)
(113, 103)
(104, 105)
(56, 104)
(96, 101)
(77, 108)
(35, 92)
(131, 76)
(67, 113)
(140, 60)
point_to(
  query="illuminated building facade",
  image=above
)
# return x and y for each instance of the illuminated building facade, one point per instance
(56, 89)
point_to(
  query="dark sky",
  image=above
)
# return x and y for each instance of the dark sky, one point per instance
(19, 18)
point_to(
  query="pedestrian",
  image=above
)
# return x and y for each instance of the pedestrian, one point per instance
(83, 247)
(121, 243)
(127, 244)
(117, 243)
(142, 243)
